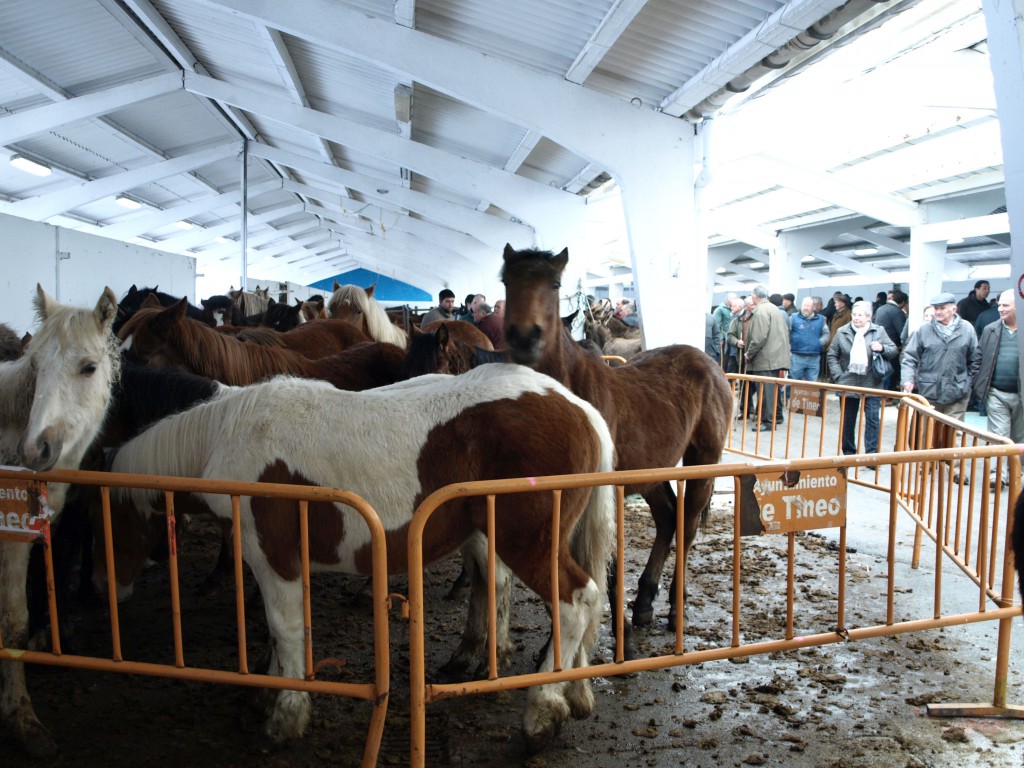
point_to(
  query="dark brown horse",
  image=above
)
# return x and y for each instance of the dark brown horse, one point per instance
(669, 404)
(166, 338)
(445, 347)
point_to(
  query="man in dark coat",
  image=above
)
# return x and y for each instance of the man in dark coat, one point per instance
(974, 303)
(892, 316)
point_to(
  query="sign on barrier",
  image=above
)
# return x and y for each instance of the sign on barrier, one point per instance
(792, 501)
(807, 400)
(24, 511)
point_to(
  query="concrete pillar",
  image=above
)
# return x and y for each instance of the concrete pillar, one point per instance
(670, 274)
(1005, 22)
(927, 260)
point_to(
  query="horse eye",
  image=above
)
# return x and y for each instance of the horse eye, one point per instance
(88, 369)
(556, 286)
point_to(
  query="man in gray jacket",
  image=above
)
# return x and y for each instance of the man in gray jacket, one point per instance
(767, 353)
(939, 360)
(997, 384)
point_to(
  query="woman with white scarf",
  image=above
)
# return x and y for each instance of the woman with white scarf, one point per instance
(850, 360)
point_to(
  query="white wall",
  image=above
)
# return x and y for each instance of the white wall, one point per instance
(74, 267)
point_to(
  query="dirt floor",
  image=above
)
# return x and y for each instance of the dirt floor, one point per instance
(855, 705)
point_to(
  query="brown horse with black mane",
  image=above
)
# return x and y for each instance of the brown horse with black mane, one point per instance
(166, 338)
(668, 404)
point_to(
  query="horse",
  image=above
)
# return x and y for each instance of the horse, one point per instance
(250, 304)
(313, 308)
(282, 317)
(302, 432)
(165, 337)
(53, 401)
(668, 404)
(136, 298)
(357, 306)
(614, 337)
(444, 347)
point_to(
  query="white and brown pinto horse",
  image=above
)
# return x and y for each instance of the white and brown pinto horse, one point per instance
(394, 446)
(53, 401)
(356, 305)
(668, 404)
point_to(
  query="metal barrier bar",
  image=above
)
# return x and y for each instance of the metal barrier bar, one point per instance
(375, 692)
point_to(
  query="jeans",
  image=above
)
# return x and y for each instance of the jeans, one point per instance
(804, 367)
(872, 414)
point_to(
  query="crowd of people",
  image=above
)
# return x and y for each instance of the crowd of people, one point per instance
(964, 355)
(475, 310)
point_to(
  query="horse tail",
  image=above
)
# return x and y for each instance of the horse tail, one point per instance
(1018, 541)
(593, 539)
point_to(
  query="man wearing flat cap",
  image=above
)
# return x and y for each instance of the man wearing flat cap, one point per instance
(939, 361)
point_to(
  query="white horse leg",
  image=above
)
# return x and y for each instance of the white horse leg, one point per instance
(548, 706)
(282, 600)
(471, 654)
(16, 711)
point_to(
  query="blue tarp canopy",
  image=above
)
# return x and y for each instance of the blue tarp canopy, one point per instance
(387, 289)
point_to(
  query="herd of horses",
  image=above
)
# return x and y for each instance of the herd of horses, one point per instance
(174, 391)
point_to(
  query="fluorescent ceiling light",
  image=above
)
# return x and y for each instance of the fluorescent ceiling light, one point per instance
(128, 202)
(868, 251)
(955, 241)
(222, 240)
(23, 163)
(808, 258)
(721, 270)
(183, 224)
(756, 264)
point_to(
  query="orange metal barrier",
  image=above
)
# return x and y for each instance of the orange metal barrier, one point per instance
(375, 692)
(947, 493)
(913, 488)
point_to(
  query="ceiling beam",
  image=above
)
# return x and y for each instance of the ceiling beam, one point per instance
(51, 204)
(147, 222)
(892, 209)
(492, 230)
(525, 198)
(870, 274)
(32, 122)
(542, 102)
(614, 23)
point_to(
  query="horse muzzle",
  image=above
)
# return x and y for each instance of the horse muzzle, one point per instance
(525, 346)
(42, 453)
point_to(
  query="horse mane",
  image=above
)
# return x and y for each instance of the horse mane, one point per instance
(216, 355)
(378, 324)
(146, 394)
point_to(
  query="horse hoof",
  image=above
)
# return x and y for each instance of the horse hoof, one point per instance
(290, 717)
(542, 724)
(643, 618)
(34, 739)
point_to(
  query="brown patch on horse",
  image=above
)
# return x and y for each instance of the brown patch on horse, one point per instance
(469, 448)
(277, 524)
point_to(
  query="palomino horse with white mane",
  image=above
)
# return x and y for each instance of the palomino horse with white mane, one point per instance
(357, 306)
(305, 432)
(52, 404)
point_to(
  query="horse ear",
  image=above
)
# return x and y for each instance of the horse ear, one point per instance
(415, 331)
(44, 303)
(132, 291)
(337, 285)
(561, 259)
(179, 310)
(150, 301)
(270, 302)
(509, 253)
(442, 335)
(299, 302)
(106, 309)
(369, 291)
(25, 340)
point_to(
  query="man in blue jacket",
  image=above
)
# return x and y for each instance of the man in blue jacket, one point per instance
(808, 336)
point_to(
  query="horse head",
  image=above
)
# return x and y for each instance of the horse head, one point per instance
(74, 361)
(151, 335)
(532, 281)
